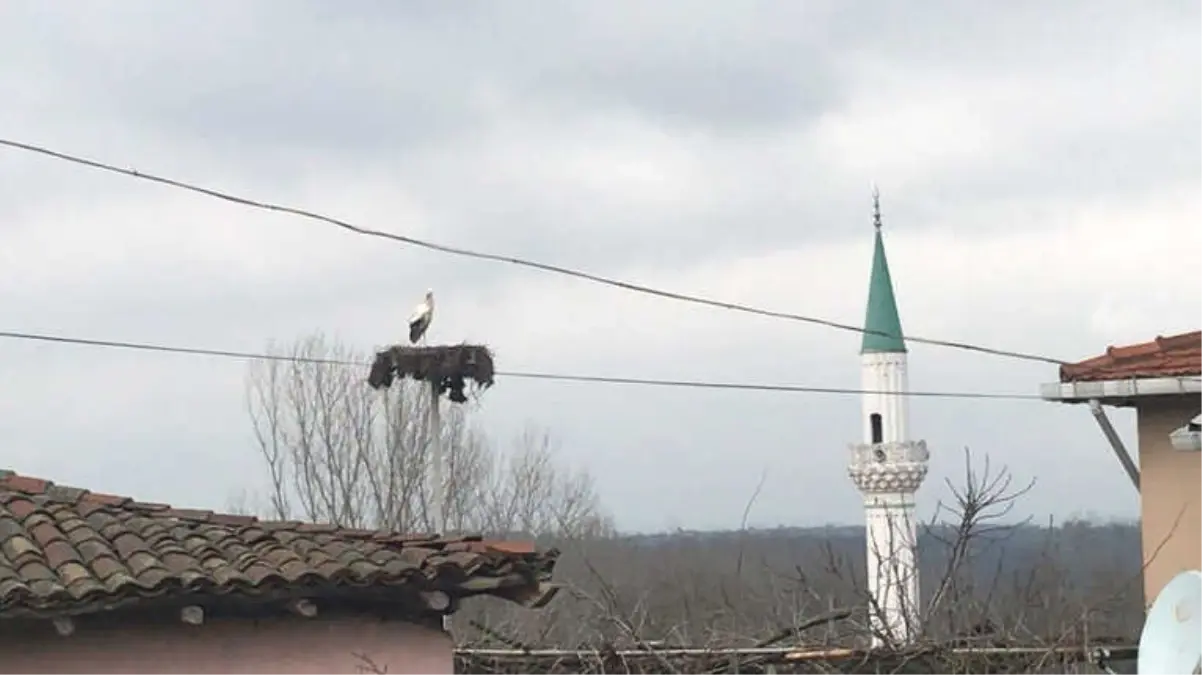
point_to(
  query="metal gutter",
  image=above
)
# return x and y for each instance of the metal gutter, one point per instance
(1081, 392)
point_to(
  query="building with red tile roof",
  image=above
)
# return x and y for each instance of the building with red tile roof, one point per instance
(1162, 380)
(1173, 356)
(117, 579)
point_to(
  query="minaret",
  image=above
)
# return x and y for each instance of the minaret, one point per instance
(887, 467)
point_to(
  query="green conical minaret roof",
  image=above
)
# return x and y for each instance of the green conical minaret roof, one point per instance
(882, 322)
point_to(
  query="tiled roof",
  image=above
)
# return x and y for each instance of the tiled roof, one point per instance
(1173, 356)
(69, 551)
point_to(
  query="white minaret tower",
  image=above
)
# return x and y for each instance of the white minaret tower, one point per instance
(887, 467)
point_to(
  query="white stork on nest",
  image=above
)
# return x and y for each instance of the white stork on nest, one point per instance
(423, 314)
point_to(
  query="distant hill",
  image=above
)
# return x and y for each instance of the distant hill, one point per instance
(1027, 584)
(1084, 550)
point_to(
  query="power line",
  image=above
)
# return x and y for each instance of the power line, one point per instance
(561, 377)
(766, 387)
(546, 267)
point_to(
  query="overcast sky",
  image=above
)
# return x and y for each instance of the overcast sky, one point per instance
(1039, 165)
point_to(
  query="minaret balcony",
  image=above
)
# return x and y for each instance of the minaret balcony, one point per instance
(896, 452)
(899, 466)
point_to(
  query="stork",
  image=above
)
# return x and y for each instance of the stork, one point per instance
(419, 321)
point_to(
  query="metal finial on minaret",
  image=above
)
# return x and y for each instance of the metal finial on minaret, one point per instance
(876, 207)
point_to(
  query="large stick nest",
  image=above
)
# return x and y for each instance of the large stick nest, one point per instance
(450, 368)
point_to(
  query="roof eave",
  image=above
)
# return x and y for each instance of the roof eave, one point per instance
(1120, 392)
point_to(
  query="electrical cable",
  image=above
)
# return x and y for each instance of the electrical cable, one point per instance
(695, 384)
(617, 283)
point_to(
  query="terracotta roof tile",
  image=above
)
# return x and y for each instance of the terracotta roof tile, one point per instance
(67, 550)
(1173, 356)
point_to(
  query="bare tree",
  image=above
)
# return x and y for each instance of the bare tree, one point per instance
(337, 451)
(1000, 595)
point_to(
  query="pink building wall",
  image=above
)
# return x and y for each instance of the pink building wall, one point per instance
(1169, 495)
(284, 645)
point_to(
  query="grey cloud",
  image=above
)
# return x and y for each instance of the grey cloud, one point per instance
(276, 80)
(257, 99)
(1019, 37)
(1129, 162)
(695, 75)
(352, 82)
(366, 86)
(706, 93)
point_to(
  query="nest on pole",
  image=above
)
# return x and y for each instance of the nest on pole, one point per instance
(449, 368)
